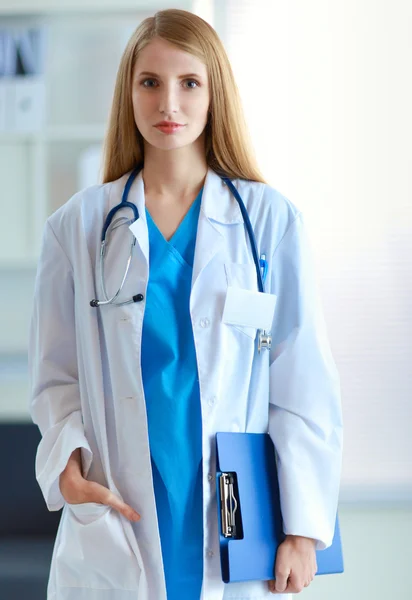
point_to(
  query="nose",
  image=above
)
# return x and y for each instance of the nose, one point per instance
(168, 102)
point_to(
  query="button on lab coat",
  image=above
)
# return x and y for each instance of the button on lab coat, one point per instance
(87, 390)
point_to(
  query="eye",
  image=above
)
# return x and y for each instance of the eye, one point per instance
(143, 82)
(193, 81)
(190, 80)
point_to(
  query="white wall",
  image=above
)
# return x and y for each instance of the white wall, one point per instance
(327, 93)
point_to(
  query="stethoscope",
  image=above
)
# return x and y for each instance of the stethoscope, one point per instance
(264, 337)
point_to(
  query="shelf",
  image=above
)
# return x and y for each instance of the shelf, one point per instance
(16, 7)
(77, 133)
(56, 134)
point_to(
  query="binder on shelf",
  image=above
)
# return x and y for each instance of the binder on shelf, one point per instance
(249, 512)
(22, 86)
(22, 51)
(26, 53)
(31, 49)
(8, 53)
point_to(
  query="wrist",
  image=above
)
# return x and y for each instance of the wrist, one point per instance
(74, 464)
(300, 539)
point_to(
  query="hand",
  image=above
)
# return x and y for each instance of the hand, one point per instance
(295, 565)
(76, 490)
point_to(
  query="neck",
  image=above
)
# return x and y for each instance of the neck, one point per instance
(174, 174)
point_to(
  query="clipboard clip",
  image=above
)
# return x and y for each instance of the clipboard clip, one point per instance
(228, 505)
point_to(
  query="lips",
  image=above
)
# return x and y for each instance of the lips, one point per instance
(169, 128)
(168, 124)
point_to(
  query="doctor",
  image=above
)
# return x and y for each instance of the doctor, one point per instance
(128, 396)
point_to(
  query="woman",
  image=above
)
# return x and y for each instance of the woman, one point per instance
(129, 397)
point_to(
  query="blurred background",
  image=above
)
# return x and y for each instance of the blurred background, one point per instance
(327, 91)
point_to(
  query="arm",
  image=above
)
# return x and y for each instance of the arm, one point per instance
(53, 375)
(305, 419)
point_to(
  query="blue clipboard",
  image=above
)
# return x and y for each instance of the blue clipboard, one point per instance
(249, 460)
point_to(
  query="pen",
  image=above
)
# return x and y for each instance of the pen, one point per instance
(264, 266)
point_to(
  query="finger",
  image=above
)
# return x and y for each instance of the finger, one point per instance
(123, 508)
(99, 493)
(293, 587)
(281, 582)
(272, 588)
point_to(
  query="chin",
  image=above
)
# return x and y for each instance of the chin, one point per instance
(169, 141)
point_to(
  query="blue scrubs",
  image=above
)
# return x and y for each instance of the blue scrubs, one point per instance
(171, 387)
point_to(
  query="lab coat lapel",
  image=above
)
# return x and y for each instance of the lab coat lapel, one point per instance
(139, 227)
(218, 207)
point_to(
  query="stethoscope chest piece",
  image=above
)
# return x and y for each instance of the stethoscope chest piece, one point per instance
(264, 340)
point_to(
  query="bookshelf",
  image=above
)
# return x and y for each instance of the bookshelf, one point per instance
(50, 118)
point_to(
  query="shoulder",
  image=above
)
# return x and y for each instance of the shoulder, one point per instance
(269, 198)
(82, 215)
(271, 212)
(82, 204)
(75, 223)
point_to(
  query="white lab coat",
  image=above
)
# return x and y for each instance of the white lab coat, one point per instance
(86, 382)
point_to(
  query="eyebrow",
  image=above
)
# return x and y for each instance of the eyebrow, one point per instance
(151, 74)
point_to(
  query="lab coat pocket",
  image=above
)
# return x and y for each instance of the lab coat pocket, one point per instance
(88, 512)
(94, 551)
(246, 309)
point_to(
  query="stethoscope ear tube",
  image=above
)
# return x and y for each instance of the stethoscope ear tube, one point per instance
(249, 228)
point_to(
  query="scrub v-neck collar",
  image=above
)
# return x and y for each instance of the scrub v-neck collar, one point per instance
(172, 240)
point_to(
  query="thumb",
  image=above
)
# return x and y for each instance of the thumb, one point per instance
(105, 496)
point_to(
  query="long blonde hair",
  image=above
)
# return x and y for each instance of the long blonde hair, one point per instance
(227, 143)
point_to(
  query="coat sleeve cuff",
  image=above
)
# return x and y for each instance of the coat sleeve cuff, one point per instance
(321, 544)
(53, 453)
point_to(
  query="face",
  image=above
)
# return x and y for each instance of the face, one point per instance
(169, 85)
